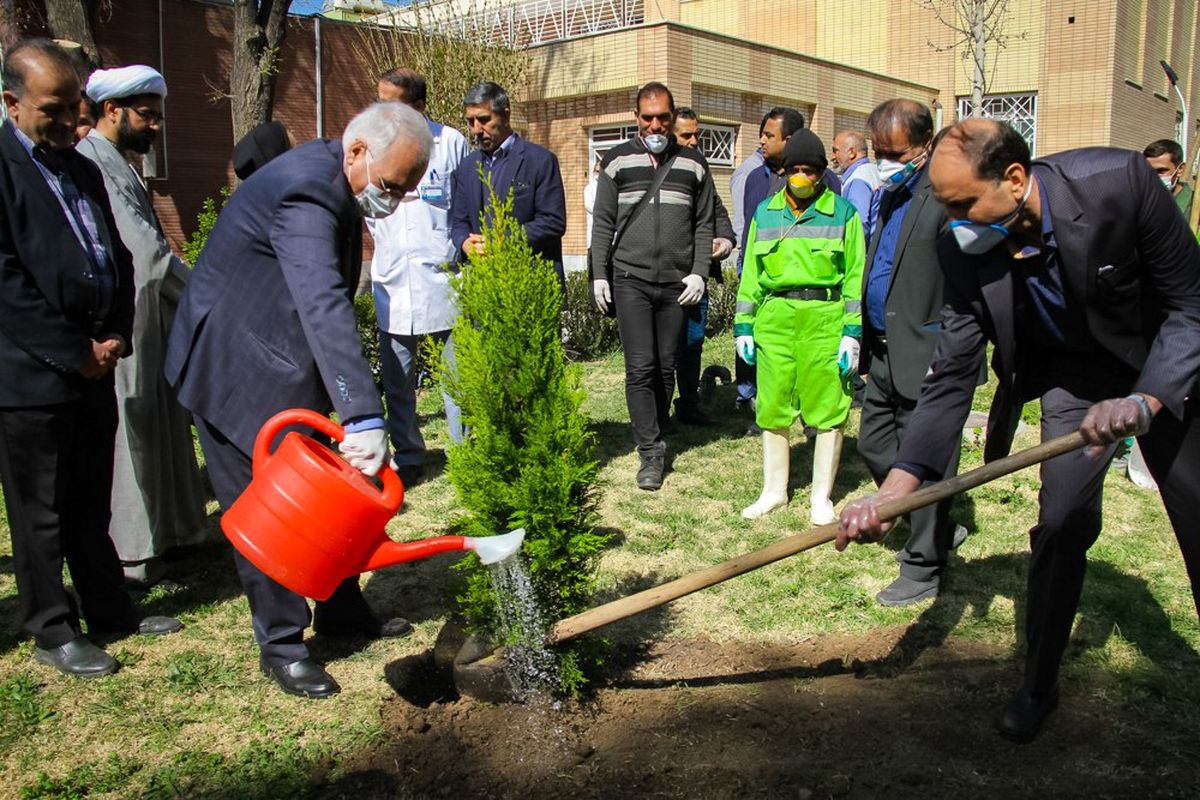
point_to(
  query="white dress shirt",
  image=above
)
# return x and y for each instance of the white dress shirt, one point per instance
(409, 272)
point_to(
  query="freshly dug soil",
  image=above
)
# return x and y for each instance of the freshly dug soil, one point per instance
(859, 717)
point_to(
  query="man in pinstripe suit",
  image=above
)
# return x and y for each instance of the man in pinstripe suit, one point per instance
(1081, 271)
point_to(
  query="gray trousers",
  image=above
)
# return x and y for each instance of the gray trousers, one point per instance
(398, 357)
(885, 415)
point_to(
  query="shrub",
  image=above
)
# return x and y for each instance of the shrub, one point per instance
(205, 221)
(721, 299)
(528, 461)
(587, 334)
(368, 332)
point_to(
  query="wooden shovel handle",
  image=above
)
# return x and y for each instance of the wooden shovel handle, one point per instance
(656, 596)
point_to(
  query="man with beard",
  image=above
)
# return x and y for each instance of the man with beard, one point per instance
(157, 496)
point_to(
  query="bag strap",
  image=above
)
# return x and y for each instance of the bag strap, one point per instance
(656, 184)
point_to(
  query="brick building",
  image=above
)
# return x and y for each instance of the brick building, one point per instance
(189, 42)
(1071, 73)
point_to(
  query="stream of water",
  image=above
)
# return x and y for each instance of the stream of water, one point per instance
(532, 669)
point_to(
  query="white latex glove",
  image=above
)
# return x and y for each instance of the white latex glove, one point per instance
(366, 450)
(721, 249)
(693, 290)
(602, 294)
(848, 356)
(745, 348)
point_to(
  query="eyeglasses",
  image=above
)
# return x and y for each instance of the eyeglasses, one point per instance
(148, 114)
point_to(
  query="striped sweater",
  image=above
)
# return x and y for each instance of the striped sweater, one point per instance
(672, 236)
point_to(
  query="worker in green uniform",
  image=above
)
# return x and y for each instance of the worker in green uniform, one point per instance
(798, 316)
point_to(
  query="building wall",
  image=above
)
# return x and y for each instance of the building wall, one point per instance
(726, 80)
(195, 60)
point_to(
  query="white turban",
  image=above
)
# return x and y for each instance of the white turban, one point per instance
(131, 81)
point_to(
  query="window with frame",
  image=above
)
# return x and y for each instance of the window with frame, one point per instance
(718, 143)
(1018, 110)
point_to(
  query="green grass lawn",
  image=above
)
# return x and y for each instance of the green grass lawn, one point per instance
(190, 716)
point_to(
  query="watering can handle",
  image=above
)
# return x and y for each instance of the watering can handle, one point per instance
(393, 490)
(284, 419)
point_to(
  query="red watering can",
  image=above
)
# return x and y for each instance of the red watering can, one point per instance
(309, 520)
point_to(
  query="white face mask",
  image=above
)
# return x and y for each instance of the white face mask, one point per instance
(374, 202)
(976, 238)
(894, 173)
(1169, 182)
(655, 142)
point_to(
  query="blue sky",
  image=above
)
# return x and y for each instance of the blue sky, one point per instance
(313, 6)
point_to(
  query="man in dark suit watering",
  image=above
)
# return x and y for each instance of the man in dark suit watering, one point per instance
(510, 162)
(1081, 271)
(66, 317)
(267, 323)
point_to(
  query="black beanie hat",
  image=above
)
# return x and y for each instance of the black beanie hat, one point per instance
(804, 147)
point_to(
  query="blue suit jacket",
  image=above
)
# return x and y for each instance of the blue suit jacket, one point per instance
(267, 320)
(538, 200)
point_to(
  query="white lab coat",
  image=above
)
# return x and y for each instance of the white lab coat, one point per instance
(414, 257)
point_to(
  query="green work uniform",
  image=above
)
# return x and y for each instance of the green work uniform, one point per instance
(796, 340)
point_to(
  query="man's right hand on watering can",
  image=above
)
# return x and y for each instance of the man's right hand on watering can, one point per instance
(860, 522)
(365, 445)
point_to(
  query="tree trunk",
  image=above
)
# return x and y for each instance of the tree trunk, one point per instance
(979, 56)
(72, 19)
(259, 27)
(10, 25)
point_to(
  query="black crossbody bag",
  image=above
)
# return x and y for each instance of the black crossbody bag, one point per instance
(655, 185)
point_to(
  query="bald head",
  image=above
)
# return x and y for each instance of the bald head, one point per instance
(42, 92)
(981, 172)
(848, 147)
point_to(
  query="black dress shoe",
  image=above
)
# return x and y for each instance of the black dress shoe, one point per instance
(77, 657)
(157, 626)
(366, 625)
(303, 678)
(1022, 718)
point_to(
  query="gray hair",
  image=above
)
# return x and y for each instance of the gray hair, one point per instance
(492, 94)
(853, 139)
(381, 124)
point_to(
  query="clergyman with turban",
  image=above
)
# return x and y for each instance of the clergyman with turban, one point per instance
(157, 498)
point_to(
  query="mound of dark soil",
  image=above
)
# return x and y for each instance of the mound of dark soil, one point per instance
(830, 717)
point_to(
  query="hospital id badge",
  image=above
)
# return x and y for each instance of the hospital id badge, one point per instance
(433, 193)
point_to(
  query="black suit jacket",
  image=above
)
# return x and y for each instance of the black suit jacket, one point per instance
(267, 320)
(538, 200)
(1126, 256)
(913, 310)
(48, 292)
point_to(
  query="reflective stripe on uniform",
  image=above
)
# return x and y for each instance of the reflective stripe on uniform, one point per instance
(767, 234)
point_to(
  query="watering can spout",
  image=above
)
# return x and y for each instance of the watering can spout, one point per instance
(492, 549)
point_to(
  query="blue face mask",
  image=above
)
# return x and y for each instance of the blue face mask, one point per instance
(975, 238)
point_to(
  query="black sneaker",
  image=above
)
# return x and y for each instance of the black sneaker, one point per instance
(650, 475)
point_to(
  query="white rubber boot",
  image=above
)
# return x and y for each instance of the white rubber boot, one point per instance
(827, 452)
(776, 464)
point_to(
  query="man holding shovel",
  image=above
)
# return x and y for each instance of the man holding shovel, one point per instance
(1082, 272)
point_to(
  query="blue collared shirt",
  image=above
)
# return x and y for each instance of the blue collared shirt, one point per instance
(1041, 273)
(885, 254)
(79, 215)
(861, 192)
(496, 163)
